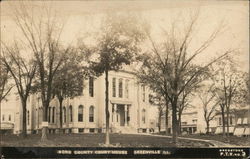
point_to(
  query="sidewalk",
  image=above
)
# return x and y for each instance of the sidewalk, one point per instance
(213, 143)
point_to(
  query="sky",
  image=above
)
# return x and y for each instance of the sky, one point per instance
(82, 17)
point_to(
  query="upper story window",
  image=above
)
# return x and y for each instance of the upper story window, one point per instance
(114, 87)
(184, 123)
(3, 117)
(220, 122)
(49, 110)
(53, 114)
(143, 116)
(120, 88)
(231, 120)
(81, 86)
(80, 113)
(70, 113)
(91, 113)
(64, 114)
(194, 120)
(143, 93)
(127, 89)
(28, 117)
(91, 86)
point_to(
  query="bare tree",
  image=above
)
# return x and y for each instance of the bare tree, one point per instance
(153, 75)
(228, 82)
(159, 102)
(209, 104)
(42, 36)
(183, 104)
(174, 61)
(22, 71)
(5, 86)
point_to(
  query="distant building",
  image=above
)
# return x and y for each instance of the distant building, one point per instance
(8, 115)
(189, 122)
(239, 122)
(218, 128)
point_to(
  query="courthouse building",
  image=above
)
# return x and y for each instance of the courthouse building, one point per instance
(130, 111)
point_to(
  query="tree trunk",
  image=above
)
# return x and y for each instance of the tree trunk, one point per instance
(159, 121)
(174, 120)
(179, 123)
(24, 132)
(107, 141)
(44, 128)
(60, 114)
(223, 121)
(166, 121)
(227, 122)
(207, 122)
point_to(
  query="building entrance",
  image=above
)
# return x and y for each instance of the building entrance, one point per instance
(121, 115)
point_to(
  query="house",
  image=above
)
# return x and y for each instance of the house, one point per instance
(239, 122)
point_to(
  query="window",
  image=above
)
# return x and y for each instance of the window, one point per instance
(114, 87)
(150, 98)
(143, 116)
(53, 115)
(91, 114)
(194, 120)
(128, 115)
(70, 113)
(41, 115)
(113, 109)
(81, 86)
(120, 88)
(3, 117)
(91, 86)
(64, 114)
(80, 130)
(80, 113)
(143, 93)
(28, 117)
(183, 123)
(9, 117)
(231, 120)
(220, 121)
(126, 89)
(49, 114)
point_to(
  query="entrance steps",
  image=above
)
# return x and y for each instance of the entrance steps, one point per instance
(124, 130)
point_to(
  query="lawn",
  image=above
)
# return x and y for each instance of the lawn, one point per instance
(95, 140)
(234, 140)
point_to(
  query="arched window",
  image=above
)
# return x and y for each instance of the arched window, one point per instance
(120, 88)
(9, 117)
(40, 115)
(36, 117)
(80, 113)
(143, 93)
(126, 89)
(91, 86)
(28, 117)
(143, 116)
(70, 113)
(114, 87)
(3, 117)
(91, 113)
(64, 114)
(49, 111)
(53, 115)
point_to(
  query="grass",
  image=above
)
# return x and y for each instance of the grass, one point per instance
(234, 140)
(95, 140)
